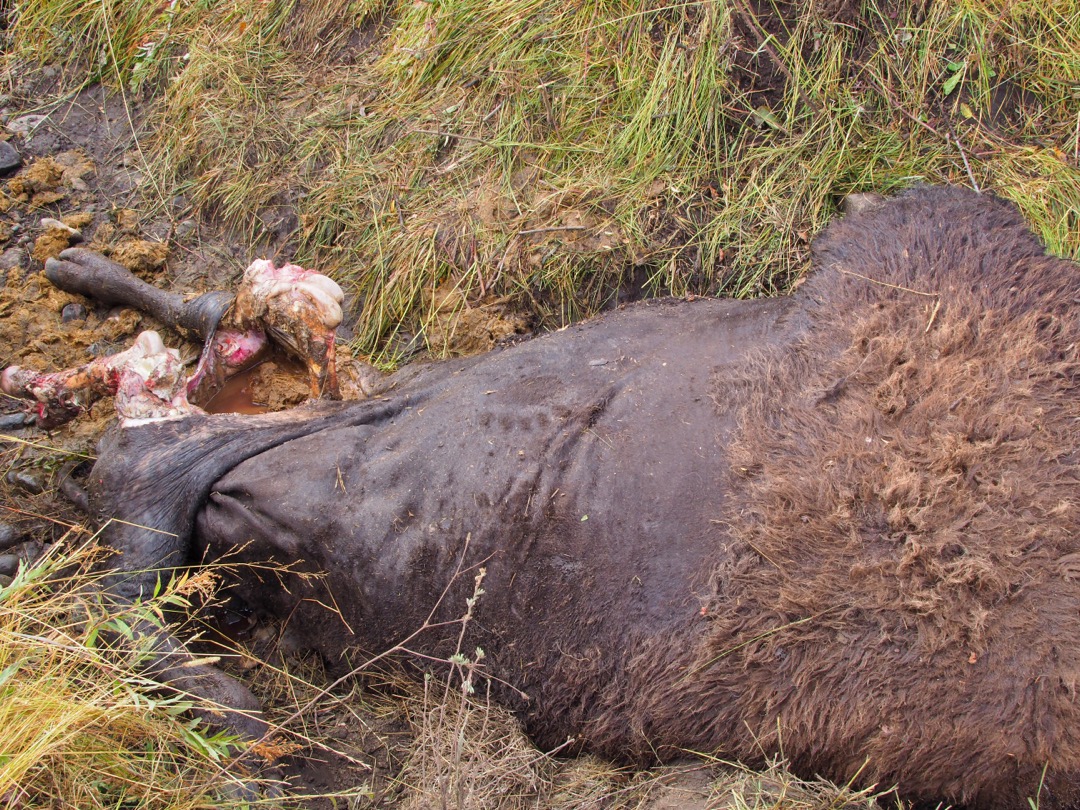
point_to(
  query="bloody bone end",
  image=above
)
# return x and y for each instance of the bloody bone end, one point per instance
(147, 381)
(300, 310)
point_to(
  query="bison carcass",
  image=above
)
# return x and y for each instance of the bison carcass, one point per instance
(843, 524)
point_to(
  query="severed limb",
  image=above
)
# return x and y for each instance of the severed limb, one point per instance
(147, 381)
(294, 308)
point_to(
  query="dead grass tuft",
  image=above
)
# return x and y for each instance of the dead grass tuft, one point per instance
(78, 726)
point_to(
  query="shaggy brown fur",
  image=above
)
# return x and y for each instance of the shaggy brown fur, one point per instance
(900, 594)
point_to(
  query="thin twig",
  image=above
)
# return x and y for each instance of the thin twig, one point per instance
(887, 284)
(933, 315)
(427, 625)
(452, 135)
(952, 137)
(550, 230)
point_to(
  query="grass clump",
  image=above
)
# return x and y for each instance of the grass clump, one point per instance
(79, 727)
(559, 151)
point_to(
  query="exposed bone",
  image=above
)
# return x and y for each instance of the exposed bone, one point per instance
(297, 309)
(147, 381)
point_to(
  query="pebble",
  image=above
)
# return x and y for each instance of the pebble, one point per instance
(51, 224)
(73, 312)
(26, 481)
(9, 564)
(4, 581)
(9, 158)
(9, 536)
(186, 228)
(13, 421)
(25, 124)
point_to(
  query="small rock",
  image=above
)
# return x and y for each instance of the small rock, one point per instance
(186, 229)
(9, 564)
(9, 158)
(50, 224)
(157, 231)
(26, 481)
(73, 312)
(13, 421)
(9, 536)
(25, 124)
(4, 581)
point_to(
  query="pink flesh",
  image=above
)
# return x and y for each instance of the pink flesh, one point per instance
(147, 381)
(299, 308)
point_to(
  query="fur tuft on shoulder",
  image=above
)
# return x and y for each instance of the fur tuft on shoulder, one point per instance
(904, 578)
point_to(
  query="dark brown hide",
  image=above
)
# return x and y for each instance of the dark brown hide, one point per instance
(842, 526)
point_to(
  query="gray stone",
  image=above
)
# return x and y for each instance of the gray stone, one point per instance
(9, 564)
(4, 581)
(26, 481)
(9, 158)
(186, 228)
(13, 421)
(73, 312)
(9, 536)
(26, 124)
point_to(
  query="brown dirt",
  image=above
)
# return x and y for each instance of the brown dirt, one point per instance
(461, 328)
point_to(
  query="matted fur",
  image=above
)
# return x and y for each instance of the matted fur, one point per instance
(901, 593)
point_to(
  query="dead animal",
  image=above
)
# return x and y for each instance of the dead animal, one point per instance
(842, 525)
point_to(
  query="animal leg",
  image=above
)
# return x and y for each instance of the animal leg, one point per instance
(83, 271)
(147, 381)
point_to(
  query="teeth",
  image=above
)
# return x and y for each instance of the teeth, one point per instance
(271, 289)
(329, 308)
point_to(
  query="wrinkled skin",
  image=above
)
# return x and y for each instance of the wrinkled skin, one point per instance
(591, 473)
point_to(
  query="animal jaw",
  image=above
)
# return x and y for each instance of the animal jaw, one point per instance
(300, 310)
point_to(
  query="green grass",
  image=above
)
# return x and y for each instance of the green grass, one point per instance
(466, 133)
(79, 727)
